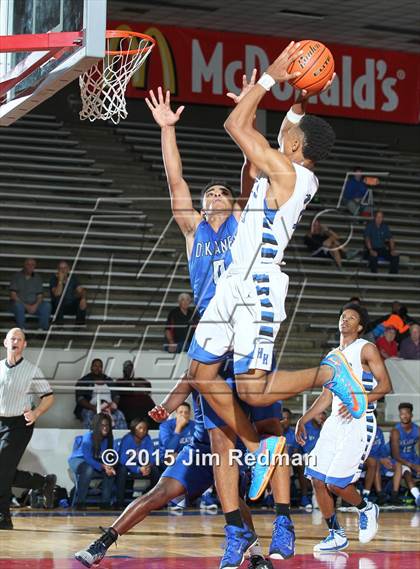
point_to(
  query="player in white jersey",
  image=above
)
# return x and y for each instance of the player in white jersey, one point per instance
(336, 461)
(245, 314)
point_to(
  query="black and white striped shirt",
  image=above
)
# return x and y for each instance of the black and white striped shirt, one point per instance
(18, 384)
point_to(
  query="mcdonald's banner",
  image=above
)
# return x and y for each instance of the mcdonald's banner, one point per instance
(201, 66)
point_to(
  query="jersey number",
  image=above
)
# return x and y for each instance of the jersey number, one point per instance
(218, 270)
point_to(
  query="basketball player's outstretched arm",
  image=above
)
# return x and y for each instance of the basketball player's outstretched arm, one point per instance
(172, 401)
(184, 213)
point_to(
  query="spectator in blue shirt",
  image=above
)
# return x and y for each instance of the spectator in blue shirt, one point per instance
(86, 461)
(136, 458)
(175, 433)
(313, 430)
(67, 295)
(380, 243)
(354, 192)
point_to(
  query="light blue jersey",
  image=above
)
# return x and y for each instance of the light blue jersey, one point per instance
(210, 257)
(408, 441)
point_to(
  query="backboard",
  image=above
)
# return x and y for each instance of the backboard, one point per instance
(44, 45)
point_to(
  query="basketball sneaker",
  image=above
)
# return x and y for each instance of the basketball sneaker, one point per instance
(238, 541)
(335, 540)
(282, 544)
(264, 466)
(208, 502)
(96, 551)
(368, 522)
(332, 559)
(345, 385)
(259, 562)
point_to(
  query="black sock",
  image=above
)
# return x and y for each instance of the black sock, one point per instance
(109, 537)
(282, 510)
(234, 519)
(362, 505)
(332, 522)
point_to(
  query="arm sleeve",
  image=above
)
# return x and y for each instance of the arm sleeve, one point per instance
(168, 440)
(88, 454)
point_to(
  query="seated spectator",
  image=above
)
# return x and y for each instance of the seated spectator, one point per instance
(134, 403)
(386, 344)
(354, 192)
(27, 297)
(394, 319)
(404, 444)
(136, 457)
(180, 325)
(378, 457)
(86, 461)
(323, 242)
(175, 433)
(67, 295)
(294, 448)
(380, 244)
(117, 417)
(91, 387)
(410, 347)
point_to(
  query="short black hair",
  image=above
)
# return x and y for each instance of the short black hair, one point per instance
(408, 406)
(136, 421)
(362, 312)
(319, 138)
(287, 410)
(217, 183)
(185, 404)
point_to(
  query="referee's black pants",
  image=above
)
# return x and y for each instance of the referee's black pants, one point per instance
(14, 438)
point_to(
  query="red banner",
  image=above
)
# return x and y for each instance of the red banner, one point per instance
(201, 66)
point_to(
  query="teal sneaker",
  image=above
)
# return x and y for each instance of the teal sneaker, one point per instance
(266, 461)
(345, 385)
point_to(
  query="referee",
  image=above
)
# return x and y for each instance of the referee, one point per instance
(19, 379)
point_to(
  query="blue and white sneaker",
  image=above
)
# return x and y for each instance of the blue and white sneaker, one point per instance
(368, 522)
(238, 541)
(345, 385)
(93, 555)
(306, 503)
(283, 539)
(266, 461)
(208, 502)
(335, 541)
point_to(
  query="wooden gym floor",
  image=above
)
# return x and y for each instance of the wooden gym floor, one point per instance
(164, 541)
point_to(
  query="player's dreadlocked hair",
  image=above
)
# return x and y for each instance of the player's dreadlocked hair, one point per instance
(319, 138)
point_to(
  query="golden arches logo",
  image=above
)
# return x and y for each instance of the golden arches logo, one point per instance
(139, 79)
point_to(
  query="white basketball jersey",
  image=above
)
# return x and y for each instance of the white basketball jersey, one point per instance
(263, 234)
(353, 354)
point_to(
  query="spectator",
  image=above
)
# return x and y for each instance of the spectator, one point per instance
(117, 417)
(378, 457)
(380, 243)
(86, 461)
(89, 388)
(26, 296)
(136, 458)
(134, 403)
(293, 448)
(387, 345)
(323, 242)
(410, 347)
(404, 443)
(67, 296)
(395, 319)
(180, 325)
(354, 192)
(175, 433)
(313, 430)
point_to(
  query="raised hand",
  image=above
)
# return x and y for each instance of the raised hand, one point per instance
(159, 414)
(161, 108)
(246, 87)
(278, 69)
(304, 94)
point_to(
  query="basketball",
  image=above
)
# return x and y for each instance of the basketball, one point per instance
(316, 65)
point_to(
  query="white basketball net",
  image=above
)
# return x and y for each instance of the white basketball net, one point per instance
(102, 87)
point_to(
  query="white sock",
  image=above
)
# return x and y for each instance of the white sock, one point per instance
(366, 493)
(256, 550)
(415, 492)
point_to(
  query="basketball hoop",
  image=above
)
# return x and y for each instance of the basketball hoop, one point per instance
(102, 87)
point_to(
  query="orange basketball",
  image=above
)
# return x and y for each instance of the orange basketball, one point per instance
(316, 65)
